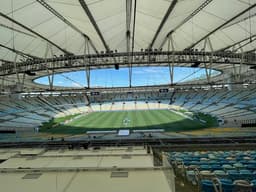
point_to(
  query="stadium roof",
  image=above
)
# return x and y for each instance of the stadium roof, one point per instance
(27, 26)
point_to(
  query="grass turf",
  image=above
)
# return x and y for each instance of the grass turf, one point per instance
(148, 119)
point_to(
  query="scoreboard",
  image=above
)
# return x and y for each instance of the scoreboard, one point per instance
(163, 90)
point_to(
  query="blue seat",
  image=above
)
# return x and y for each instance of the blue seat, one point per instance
(186, 162)
(254, 175)
(227, 167)
(216, 167)
(232, 161)
(205, 167)
(223, 162)
(246, 174)
(211, 162)
(207, 186)
(187, 159)
(220, 174)
(234, 175)
(195, 158)
(251, 162)
(195, 163)
(245, 162)
(203, 155)
(238, 166)
(203, 162)
(227, 185)
(254, 185)
(239, 158)
(251, 167)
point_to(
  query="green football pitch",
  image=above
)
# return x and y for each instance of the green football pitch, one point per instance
(148, 119)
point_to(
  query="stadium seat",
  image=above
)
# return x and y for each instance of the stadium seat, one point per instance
(246, 174)
(251, 167)
(205, 167)
(220, 174)
(226, 185)
(234, 175)
(227, 167)
(243, 186)
(238, 165)
(191, 176)
(216, 167)
(253, 182)
(207, 186)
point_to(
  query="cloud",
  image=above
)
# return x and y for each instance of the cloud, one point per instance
(138, 72)
(150, 70)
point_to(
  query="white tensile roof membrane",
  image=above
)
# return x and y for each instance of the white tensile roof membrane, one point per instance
(188, 21)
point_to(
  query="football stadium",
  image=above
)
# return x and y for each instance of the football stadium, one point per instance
(128, 95)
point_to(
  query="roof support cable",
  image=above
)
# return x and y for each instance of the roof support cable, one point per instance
(250, 22)
(221, 26)
(94, 23)
(181, 80)
(171, 63)
(12, 27)
(51, 74)
(128, 35)
(165, 18)
(195, 12)
(253, 37)
(34, 32)
(57, 14)
(208, 69)
(24, 55)
(133, 39)
(128, 23)
(86, 62)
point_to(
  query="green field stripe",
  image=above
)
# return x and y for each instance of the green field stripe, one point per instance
(124, 115)
(148, 118)
(172, 116)
(98, 122)
(134, 118)
(139, 120)
(115, 119)
(119, 119)
(82, 120)
(143, 120)
(158, 120)
(108, 121)
(158, 117)
(89, 122)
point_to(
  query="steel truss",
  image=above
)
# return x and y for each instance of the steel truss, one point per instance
(143, 58)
